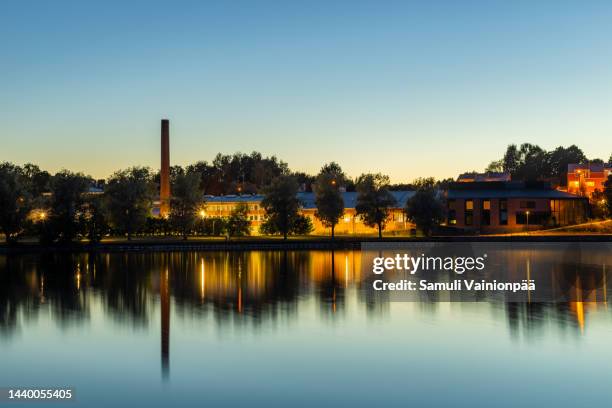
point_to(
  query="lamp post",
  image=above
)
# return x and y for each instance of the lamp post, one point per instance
(527, 220)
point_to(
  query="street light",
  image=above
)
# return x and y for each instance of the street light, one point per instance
(202, 214)
(527, 220)
(42, 215)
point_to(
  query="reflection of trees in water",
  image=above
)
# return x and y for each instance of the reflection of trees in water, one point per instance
(28, 284)
(238, 286)
(531, 319)
(250, 287)
(16, 295)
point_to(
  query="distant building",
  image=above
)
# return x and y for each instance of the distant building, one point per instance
(491, 207)
(483, 177)
(584, 179)
(350, 223)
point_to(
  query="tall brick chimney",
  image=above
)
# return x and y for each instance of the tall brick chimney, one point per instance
(164, 172)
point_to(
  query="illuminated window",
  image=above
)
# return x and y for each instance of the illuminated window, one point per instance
(590, 183)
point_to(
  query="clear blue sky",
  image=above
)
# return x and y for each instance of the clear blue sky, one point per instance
(408, 89)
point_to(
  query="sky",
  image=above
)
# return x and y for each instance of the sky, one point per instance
(409, 89)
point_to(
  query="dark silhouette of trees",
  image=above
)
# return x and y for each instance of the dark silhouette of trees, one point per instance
(281, 205)
(237, 224)
(608, 195)
(425, 209)
(15, 201)
(186, 199)
(238, 173)
(94, 220)
(531, 162)
(67, 206)
(374, 200)
(328, 198)
(129, 196)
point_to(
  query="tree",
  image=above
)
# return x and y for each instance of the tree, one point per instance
(496, 166)
(511, 160)
(129, 196)
(237, 224)
(608, 194)
(94, 221)
(281, 204)
(328, 199)
(301, 225)
(598, 204)
(374, 200)
(67, 205)
(39, 181)
(425, 210)
(238, 173)
(610, 159)
(15, 202)
(561, 157)
(186, 199)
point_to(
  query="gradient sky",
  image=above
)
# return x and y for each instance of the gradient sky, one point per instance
(408, 89)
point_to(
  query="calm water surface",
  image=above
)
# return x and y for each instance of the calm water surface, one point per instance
(279, 329)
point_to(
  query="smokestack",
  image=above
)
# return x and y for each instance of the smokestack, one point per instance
(164, 173)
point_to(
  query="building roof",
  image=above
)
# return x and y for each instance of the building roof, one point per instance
(487, 176)
(511, 192)
(307, 199)
(594, 167)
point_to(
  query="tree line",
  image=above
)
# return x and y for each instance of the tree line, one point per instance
(530, 162)
(62, 207)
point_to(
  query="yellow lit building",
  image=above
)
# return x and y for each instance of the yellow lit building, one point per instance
(350, 223)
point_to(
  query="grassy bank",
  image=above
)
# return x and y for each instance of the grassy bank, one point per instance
(275, 243)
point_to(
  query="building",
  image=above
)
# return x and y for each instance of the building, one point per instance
(497, 207)
(350, 223)
(584, 179)
(481, 177)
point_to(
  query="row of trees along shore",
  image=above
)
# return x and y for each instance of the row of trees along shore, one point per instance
(61, 208)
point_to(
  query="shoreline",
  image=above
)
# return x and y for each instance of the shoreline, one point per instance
(271, 244)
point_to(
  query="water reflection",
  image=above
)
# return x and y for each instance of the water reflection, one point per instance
(247, 288)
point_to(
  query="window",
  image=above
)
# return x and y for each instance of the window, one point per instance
(469, 212)
(503, 212)
(486, 212)
(531, 218)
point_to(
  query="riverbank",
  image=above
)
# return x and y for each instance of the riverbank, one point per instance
(274, 243)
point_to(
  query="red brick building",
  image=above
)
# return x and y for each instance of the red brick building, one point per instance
(584, 179)
(495, 207)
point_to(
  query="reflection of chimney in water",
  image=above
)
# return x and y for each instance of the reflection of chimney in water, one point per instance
(164, 295)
